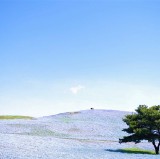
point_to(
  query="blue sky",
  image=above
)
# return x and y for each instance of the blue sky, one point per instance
(59, 56)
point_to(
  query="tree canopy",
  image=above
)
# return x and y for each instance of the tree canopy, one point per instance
(144, 124)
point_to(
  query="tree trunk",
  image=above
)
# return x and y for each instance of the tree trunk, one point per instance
(156, 147)
(157, 150)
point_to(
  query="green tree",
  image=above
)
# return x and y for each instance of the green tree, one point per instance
(144, 124)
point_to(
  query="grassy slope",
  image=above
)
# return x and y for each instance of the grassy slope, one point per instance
(14, 117)
(136, 150)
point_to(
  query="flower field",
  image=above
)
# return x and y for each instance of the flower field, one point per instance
(88, 134)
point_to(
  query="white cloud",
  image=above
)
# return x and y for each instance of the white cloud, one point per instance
(76, 89)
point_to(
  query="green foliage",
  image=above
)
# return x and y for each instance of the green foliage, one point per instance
(143, 125)
(15, 117)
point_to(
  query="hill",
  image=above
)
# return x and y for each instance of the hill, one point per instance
(83, 134)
